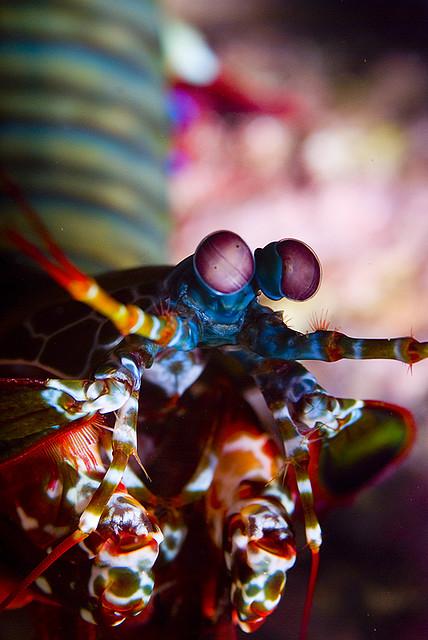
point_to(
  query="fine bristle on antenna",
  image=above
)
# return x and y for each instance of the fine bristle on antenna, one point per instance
(320, 321)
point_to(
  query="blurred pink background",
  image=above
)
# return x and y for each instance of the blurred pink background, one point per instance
(335, 154)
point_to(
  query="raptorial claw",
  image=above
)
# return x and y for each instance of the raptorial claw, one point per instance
(248, 513)
(126, 546)
(259, 550)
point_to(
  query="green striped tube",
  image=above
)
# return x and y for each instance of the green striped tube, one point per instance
(83, 125)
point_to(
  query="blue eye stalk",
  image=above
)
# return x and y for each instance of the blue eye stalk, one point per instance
(288, 269)
(225, 266)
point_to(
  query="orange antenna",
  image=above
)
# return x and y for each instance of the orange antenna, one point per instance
(127, 318)
(14, 191)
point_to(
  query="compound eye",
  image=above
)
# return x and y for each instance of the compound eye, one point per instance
(224, 262)
(301, 270)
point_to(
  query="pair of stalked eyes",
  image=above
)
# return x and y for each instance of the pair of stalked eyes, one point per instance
(284, 269)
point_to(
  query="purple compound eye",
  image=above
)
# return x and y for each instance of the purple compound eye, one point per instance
(224, 262)
(301, 270)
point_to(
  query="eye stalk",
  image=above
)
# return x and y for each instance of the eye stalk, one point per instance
(224, 263)
(288, 269)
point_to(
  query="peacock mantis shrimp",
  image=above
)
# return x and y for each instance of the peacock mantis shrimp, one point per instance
(199, 335)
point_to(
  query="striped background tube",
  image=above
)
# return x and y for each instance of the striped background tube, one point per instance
(84, 127)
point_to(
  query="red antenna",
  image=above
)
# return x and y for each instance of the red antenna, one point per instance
(315, 561)
(64, 270)
(60, 549)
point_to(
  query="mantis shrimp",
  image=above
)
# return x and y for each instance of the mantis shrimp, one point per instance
(197, 333)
